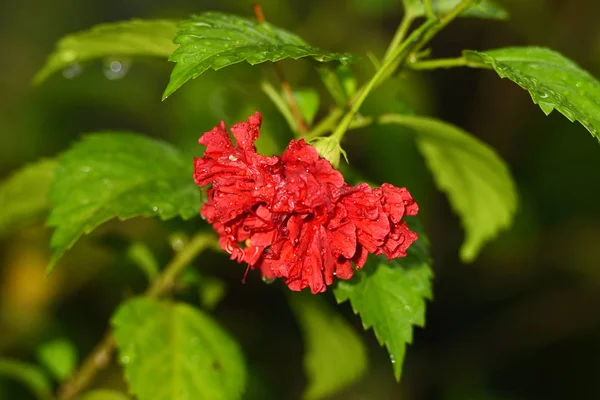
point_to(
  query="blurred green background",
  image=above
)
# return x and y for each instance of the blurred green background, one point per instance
(519, 323)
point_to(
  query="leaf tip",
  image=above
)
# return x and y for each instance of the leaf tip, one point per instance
(41, 75)
(52, 264)
(169, 91)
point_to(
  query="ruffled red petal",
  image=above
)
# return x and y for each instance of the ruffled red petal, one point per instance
(293, 217)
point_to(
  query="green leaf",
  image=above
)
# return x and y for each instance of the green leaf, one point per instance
(390, 297)
(553, 81)
(216, 40)
(103, 394)
(347, 79)
(476, 180)
(281, 103)
(340, 83)
(174, 351)
(482, 9)
(31, 376)
(59, 356)
(124, 175)
(308, 103)
(24, 195)
(335, 355)
(211, 291)
(123, 38)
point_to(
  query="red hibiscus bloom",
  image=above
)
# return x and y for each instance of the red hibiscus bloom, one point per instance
(293, 217)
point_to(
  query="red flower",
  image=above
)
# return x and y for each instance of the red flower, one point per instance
(293, 216)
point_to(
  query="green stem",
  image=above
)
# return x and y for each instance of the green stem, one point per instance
(285, 85)
(397, 55)
(445, 63)
(281, 105)
(442, 22)
(164, 284)
(100, 357)
(326, 124)
(428, 9)
(400, 34)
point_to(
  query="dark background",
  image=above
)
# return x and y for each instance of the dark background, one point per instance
(521, 322)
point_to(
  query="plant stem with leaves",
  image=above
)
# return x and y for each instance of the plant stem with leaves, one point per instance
(396, 55)
(100, 357)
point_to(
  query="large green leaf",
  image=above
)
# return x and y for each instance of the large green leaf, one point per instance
(122, 175)
(24, 195)
(29, 375)
(553, 81)
(174, 351)
(481, 9)
(123, 38)
(390, 297)
(476, 180)
(335, 355)
(216, 40)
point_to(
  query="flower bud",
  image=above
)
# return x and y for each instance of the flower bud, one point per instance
(329, 149)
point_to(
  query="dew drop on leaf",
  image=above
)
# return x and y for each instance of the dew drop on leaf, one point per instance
(115, 69)
(72, 71)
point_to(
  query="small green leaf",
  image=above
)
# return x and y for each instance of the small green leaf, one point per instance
(31, 376)
(281, 103)
(390, 297)
(335, 355)
(216, 40)
(553, 81)
(174, 351)
(123, 38)
(24, 195)
(482, 9)
(347, 78)
(212, 290)
(59, 356)
(476, 180)
(124, 175)
(103, 394)
(143, 258)
(308, 103)
(340, 83)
